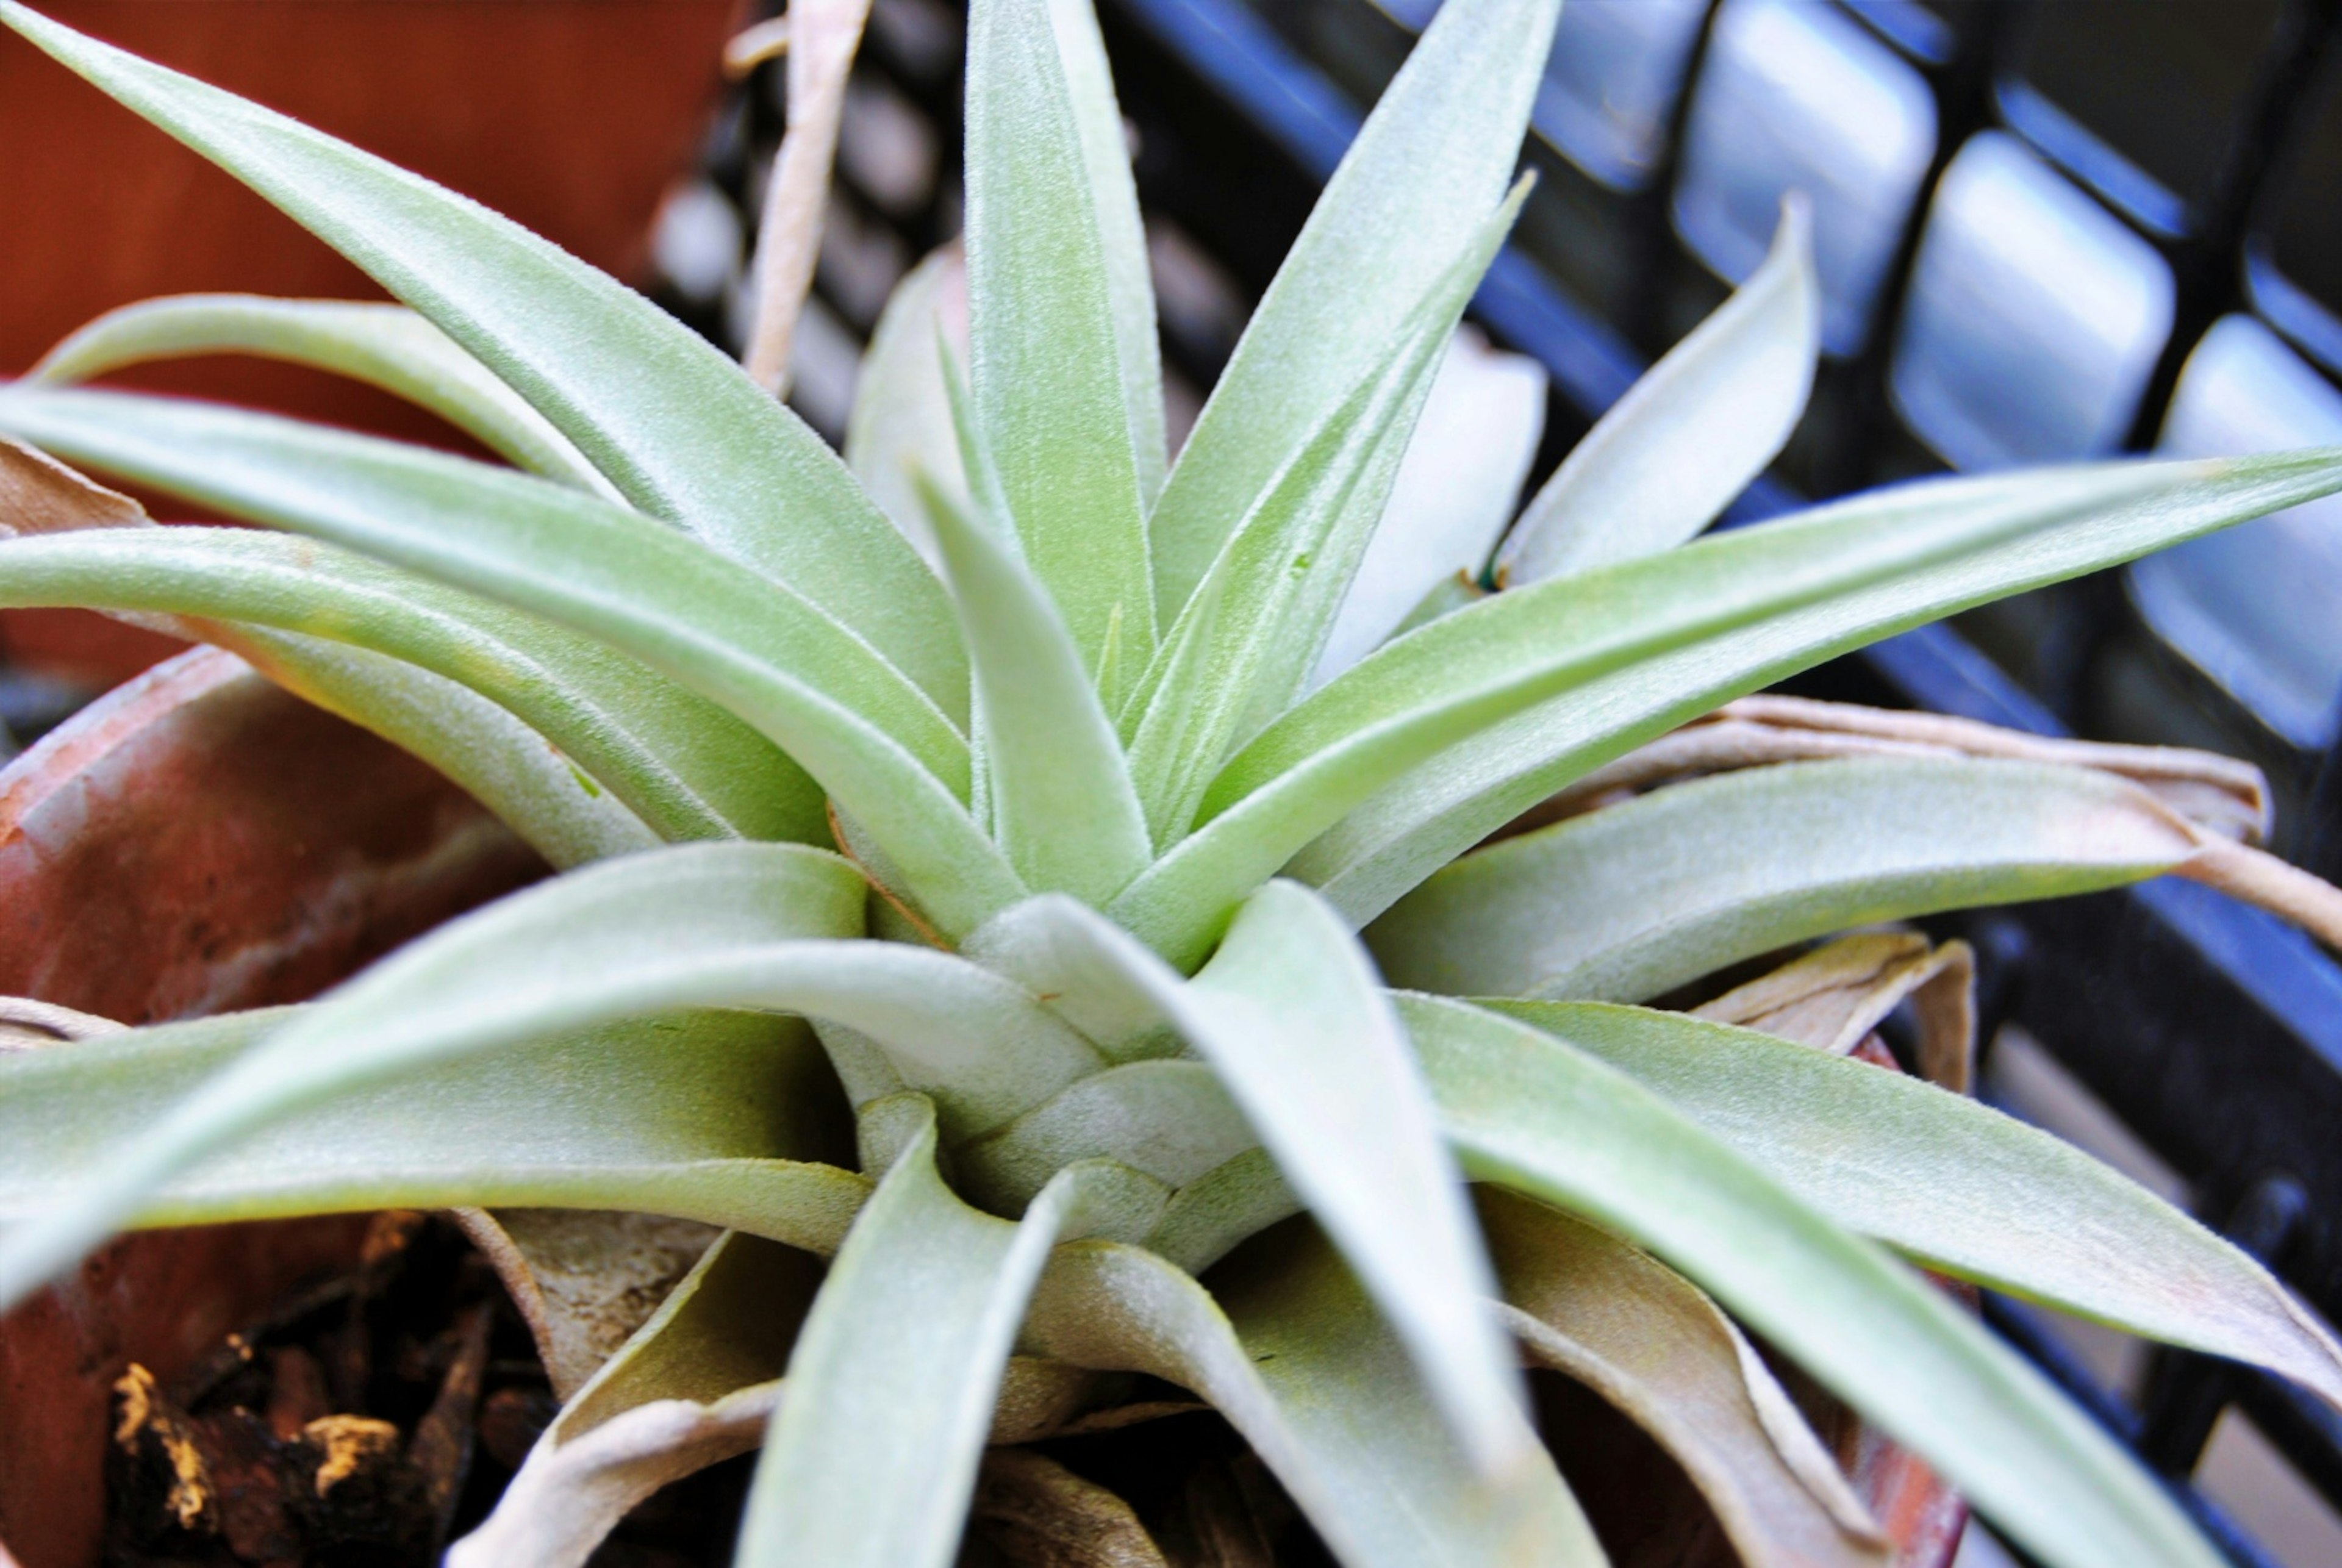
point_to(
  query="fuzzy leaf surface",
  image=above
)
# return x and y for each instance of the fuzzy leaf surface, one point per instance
(384, 346)
(614, 941)
(1519, 693)
(1045, 360)
(718, 1116)
(1690, 434)
(684, 766)
(675, 425)
(813, 687)
(1290, 1016)
(1956, 1185)
(1246, 639)
(872, 1455)
(1432, 159)
(1530, 1112)
(1061, 803)
(1626, 902)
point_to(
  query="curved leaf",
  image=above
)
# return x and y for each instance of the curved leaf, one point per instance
(1431, 161)
(1047, 364)
(1633, 900)
(1688, 435)
(679, 429)
(509, 768)
(715, 1116)
(2220, 793)
(1960, 1186)
(689, 769)
(838, 708)
(872, 1456)
(1063, 806)
(614, 941)
(1530, 1112)
(1324, 1392)
(1626, 653)
(385, 345)
(1171, 1120)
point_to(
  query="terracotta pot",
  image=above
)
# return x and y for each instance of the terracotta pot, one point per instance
(569, 116)
(194, 841)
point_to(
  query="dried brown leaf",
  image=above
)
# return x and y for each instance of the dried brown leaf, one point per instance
(1834, 997)
(1039, 1514)
(1585, 1304)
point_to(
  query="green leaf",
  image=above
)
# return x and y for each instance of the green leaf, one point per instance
(1456, 489)
(1691, 434)
(1248, 637)
(1322, 1391)
(385, 345)
(1291, 1018)
(1956, 1185)
(715, 1116)
(677, 426)
(1645, 1339)
(1625, 903)
(629, 937)
(1062, 802)
(901, 420)
(874, 741)
(1530, 1112)
(1051, 397)
(1684, 630)
(1122, 234)
(689, 769)
(872, 1455)
(1433, 158)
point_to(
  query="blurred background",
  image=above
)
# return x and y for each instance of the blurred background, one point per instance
(2048, 230)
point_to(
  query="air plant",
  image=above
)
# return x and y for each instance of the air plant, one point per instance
(1013, 927)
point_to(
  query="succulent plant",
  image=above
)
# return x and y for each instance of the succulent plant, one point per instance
(1090, 868)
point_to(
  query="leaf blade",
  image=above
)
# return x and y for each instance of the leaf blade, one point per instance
(1046, 363)
(1958, 1185)
(1528, 1112)
(1623, 904)
(1432, 159)
(385, 345)
(679, 429)
(1691, 434)
(1063, 804)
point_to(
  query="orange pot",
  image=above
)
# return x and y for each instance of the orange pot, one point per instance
(569, 115)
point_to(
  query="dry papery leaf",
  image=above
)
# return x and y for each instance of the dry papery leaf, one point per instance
(1583, 1303)
(27, 1024)
(822, 37)
(584, 1279)
(575, 1487)
(1037, 1514)
(2219, 794)
(1834, 997)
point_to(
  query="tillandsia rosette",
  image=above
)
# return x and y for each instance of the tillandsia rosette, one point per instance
(994, 908)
